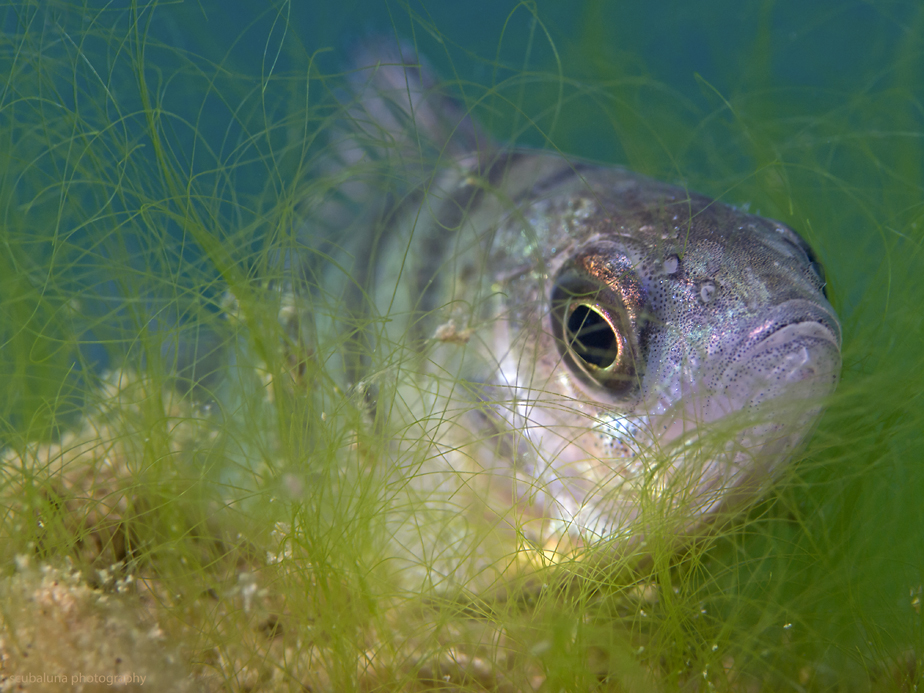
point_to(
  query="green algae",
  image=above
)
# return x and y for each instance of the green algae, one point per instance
(154, 158)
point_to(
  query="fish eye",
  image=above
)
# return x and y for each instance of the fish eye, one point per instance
(591, 336)
(589, 325)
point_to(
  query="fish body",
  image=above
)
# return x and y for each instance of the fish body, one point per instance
(563, 352)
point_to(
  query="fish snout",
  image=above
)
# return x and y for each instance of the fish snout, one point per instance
(793, 350)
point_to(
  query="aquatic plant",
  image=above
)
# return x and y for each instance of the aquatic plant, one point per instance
(167, 434)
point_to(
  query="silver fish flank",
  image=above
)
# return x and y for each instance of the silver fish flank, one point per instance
(563, 352)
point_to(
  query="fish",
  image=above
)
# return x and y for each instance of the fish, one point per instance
(564, 356)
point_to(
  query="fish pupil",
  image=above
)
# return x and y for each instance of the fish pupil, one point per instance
(591, 337)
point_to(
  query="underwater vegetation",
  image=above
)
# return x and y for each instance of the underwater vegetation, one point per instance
(194, 499)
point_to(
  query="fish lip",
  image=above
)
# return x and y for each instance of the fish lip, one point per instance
(787, 315)
(793, 352)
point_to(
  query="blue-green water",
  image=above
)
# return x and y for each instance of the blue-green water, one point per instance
(811, 113)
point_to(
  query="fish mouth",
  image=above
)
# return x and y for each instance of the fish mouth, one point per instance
(706, 453)
(790, 357)
(723, 442)
(793, 351)
(797, 316)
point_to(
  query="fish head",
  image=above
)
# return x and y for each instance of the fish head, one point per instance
(664, 358)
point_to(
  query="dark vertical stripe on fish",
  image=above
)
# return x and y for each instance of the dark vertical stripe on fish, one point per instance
(435, 241)
(554, 180)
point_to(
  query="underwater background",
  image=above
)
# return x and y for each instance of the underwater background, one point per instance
(154, 154)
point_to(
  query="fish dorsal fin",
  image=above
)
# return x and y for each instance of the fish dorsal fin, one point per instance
(399, 112)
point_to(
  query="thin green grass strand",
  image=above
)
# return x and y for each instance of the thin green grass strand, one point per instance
(820, 579)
